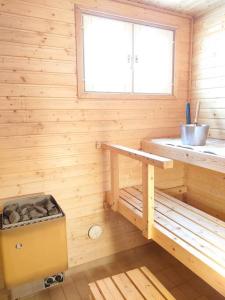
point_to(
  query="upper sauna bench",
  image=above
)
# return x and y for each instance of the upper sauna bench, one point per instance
(210, 156)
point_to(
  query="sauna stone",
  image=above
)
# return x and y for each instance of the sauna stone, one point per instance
(10, 208)
(34, 214)
(26, 208)
(41, 210)
(53, 211)
(14, 217)
(15, 213)
(25, 218)
(6, 221)
(49, 205)
(24, 211)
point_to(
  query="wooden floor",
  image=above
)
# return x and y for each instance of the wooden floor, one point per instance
(182, 283)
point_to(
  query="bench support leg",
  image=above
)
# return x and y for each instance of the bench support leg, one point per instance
(148, 199)
(114, 161)
(147, 220)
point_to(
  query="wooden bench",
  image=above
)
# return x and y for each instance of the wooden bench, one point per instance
(194, 237)
(136, 284)
(191, 235)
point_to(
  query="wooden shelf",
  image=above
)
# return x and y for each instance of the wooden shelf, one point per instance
(192, 236)
(210, 156)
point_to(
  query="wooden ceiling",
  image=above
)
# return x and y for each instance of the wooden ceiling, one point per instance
(194, 8)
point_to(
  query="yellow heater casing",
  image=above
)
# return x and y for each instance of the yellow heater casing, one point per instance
(33, 252)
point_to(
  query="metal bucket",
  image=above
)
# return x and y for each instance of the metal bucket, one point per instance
(194, 134)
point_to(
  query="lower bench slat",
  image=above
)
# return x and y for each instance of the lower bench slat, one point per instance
(206, 269)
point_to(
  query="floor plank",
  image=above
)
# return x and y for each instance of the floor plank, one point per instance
(180, 281)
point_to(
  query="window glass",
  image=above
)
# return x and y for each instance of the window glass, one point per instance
(107, 54)
(153, 60)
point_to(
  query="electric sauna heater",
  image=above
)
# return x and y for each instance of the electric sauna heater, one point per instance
(32, 239)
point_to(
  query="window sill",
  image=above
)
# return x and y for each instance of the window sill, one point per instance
(124, 96)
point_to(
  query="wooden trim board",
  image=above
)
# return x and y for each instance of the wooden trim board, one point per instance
(142, 156)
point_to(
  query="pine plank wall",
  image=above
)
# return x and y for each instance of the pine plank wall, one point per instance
(48, 135)
(208, 78)
(208, 74)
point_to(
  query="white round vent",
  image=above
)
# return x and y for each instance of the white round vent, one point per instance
(95, 231)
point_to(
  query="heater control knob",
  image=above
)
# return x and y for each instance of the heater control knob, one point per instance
(19, 246)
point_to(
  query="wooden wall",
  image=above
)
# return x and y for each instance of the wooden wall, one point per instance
(208, 78)
(206, 189)
(48, 135)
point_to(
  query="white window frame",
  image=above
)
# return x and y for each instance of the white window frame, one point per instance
(109, 95)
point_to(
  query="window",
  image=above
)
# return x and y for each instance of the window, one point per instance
(124, 57)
